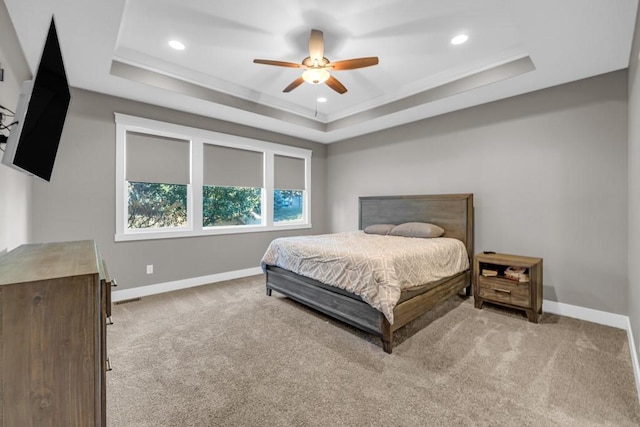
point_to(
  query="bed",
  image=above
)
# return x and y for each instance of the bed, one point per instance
(452, 212)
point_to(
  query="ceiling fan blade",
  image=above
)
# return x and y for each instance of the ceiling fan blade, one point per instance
(316, 46)
(351, 64)
(334, 84)
(297, 82)
(277, 63)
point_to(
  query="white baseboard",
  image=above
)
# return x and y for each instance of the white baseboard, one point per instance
(590, 315)
(159, 288)
(634, 356)
(603, 318)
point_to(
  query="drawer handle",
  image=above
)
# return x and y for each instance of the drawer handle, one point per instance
(114, 284)
(504, 291)
(109, 321)
(109, 367)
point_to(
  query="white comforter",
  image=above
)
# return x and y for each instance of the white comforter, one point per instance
(374, 267)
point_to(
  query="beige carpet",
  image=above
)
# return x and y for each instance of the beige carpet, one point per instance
(227, 355)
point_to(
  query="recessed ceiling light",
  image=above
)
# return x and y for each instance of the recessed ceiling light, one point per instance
(459, 39)
(176, 45)
(322, 99)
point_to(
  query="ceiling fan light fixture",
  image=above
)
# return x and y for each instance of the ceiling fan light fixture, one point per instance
(315, 76)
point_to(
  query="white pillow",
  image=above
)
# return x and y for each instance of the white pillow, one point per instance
(383, 229)
(417, 229)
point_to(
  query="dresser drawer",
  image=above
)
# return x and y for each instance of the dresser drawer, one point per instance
(504, 291)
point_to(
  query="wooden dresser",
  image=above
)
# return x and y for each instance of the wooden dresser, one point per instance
(54, 301)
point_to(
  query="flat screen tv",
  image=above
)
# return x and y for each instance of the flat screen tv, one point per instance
(33, 141)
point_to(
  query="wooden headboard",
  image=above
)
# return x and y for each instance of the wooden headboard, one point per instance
(453, 212)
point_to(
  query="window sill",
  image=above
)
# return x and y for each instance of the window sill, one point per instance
(174, 234)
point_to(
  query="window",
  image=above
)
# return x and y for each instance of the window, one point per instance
(289, 187)
(156, 183)
(177, 181)
(232, 187)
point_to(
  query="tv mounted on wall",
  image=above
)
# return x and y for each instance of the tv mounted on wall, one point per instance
(33, 141)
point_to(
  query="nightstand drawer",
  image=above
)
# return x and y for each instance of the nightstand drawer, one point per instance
(504, 291)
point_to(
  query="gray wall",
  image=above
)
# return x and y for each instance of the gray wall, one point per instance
(79, 202)
(634, 188)
(15, 187)
(548, 171)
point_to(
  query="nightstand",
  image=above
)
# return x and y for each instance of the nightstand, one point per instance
(493, 287)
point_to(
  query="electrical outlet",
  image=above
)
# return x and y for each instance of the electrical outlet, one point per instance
(150, 269)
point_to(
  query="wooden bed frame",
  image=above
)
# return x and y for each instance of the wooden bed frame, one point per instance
(453, 212)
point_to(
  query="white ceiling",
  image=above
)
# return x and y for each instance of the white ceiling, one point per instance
(119, 47)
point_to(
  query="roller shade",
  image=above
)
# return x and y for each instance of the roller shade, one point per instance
(288, 173)
(232, 167)
(152, 158)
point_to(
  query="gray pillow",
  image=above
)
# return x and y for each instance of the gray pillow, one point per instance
(417, 229)
(383, 229)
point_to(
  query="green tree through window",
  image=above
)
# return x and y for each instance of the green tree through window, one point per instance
(287, 205)
(154, 205)
(231, 206)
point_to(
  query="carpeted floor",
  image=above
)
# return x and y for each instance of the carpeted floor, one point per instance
(227, 355)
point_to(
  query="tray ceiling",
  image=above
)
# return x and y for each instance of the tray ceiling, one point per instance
(121, 48)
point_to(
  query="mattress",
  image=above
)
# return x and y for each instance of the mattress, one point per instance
(376, 268)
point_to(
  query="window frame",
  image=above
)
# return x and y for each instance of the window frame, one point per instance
(197, 138)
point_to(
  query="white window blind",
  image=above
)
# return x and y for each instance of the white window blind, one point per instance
(151, 158)
(289, 173)
(232, 167)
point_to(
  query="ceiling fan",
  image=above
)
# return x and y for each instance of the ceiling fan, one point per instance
(317, 67)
